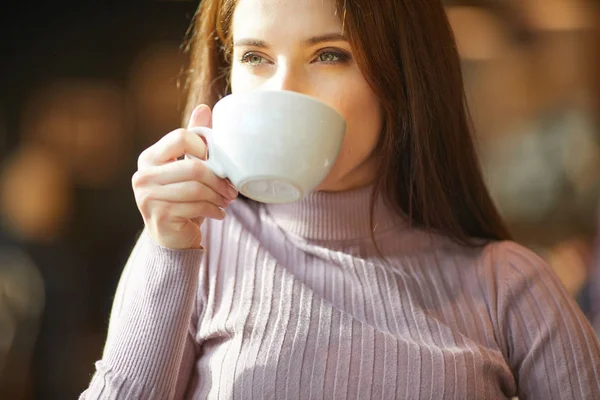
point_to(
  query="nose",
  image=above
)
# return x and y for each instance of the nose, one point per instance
(288, 77)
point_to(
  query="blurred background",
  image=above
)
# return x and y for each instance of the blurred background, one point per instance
(86, 86)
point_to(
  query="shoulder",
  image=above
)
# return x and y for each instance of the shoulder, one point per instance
(495, 261)
(507, 275)
(501, 258)
(526, 292)
(504, 256)
(511, 254)
(511, 272)
(514, 264)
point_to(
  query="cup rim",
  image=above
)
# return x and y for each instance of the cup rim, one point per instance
(287, 93)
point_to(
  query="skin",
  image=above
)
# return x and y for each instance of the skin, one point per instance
(295, 45)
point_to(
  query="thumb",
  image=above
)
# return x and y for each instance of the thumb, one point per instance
(201, 116)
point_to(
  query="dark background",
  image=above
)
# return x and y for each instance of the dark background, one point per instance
(80, 46)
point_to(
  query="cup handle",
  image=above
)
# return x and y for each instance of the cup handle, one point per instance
(212, 163)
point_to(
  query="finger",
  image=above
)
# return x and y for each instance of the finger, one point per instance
(190, 191)
(186, 170)
(172, 146)
(201, 116)
(198, 209)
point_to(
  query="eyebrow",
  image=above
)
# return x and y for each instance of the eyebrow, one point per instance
(328, 37)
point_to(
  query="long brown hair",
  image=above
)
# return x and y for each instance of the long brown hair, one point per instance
(407, 52)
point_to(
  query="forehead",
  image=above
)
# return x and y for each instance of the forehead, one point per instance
(285, 17)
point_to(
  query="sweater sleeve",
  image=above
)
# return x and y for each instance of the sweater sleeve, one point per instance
(149, 341)
(549, 344)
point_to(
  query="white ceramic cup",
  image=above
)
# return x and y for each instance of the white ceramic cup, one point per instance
(274, 146)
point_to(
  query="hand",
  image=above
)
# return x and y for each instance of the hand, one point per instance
(175, 195)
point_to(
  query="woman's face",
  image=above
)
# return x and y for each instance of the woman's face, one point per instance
(298, 45)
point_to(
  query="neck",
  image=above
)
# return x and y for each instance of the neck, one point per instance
(342, 215)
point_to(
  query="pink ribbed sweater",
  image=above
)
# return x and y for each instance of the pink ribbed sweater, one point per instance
(293, 302)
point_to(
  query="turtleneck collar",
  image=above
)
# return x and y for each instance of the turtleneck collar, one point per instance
(334, 215)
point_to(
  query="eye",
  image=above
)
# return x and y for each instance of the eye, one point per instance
(332, 57)
(253, 59)
(328, 57)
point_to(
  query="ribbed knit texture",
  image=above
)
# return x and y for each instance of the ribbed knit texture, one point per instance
(295, 302)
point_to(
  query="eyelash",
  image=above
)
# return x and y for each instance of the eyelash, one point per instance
(342, 57)
(246, 56)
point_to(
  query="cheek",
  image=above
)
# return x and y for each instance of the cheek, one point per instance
(241, 80)
(363, 115)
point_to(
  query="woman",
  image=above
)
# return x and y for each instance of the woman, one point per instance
(393, 280)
